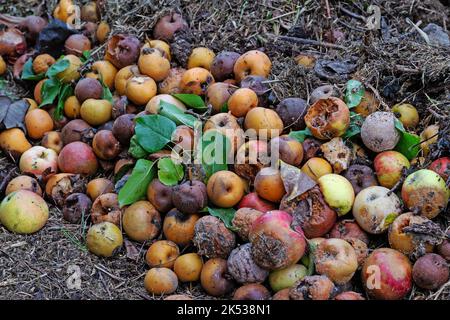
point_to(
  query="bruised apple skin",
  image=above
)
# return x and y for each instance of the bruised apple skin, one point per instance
(424, 192)
(38, 160)
(243, 220)
(442, 167)
(387, 275)
(361, 177)
(374, 207)
(430, 271)
(77, 157)
(336, 259)
(23, 183)
(253, 62)
(214, 278)
(275, 244)
(252, 291)
(243, 268)
(317, 287)
(328, 118)
(23, 212)
(389, 166)
(179, 227)
(160, 196)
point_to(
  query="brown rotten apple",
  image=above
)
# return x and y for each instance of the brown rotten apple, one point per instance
(275, 244)
(106, 208)
(328, 118)
(215, 279)
(243, 268)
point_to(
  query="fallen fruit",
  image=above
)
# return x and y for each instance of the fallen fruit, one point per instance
(222, 66)
(38, 160)
(225, 189)
(316, 168)
(168, 25)
(106, 208)
(285, 278)
(389, 166)
(77, 157)
(96, 111)
(312, 288)
(105, 145)
(243, 220)
(253, 201)
(275, 244)
(428, 137)
(190, 197)
(424, 192)
(214, 278)
(336, 259)
(76, 44)
(162, 254)
(52, 140)
(104, 239)
(76, 208)
(407, 114)
(160, 281)
(212, 238)
(201, 57)
(375, 208)
(154, 63)
(179, 227)
(387, 274)
(378, 131)
(430, 271)
(188, 267)
(252, 291)
(243, 268)
(254, 62)
(242, 101)
(292, 112)
(23, 212)
(141, 221)
(160, 196)
(38, 122)
(442, 167)
(265, 122)
(337, 192)
(196, 81)
(361, 177)
(99, 186)
(42, 62)
(88, 88)
(23, 183)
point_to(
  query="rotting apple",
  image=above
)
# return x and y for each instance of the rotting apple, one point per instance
(387, 274)
(212, 238)
(243, 268)
(154, 63)
(214, 277)
(77, 130)
(171, 84)
(105, 145)
(336, 259)
(375, 208)
(407, 114)
(201, 57)
(430, 271)
(361, 177)
(292, 112)
(38, 160)
(252, 291)
(179, 227)
(349, 295)
(190, 197)
(425, 192)
(99, 186)
(71, 73)
(88, 88)
(104, 239)
(253, 62)
(290, 150)
(227, 125)
(243, 220)
(242, 101)
(275, 244)
(251, 157)
(218, 94)
(96, 111)
(162, 254)
(225, 189)
(404, 241)
(141, 221)
(168, 25)
(378, 131)
(345, 229)
(76, 207)
(269, 185)
(368, 105)
(317, 287)
(76, 44)
(103, 70)
(444, 248)
(389, 166)
(122, 50)
(324, 92)
(428, 137)
(60, 186)
(160, 195)
(442, 167)
(106, 208)
(328, 118)
(337, 192)
(285, 278)
(23, 212)
(266, 122)
(196, 81)
(23, 183)
(222, 66)
(52, 140)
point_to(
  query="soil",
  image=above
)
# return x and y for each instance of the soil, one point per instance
(393, 62)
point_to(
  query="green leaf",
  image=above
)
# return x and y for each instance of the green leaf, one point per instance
(65, 92)
(136, 150)
(191, 100)
(169, 173)
(354, 93)
(58, 67)
(213, 151)
(136, 186)
(86, 55)
(175, 114)
(28, 73)
(356, 121)
(224, 107)
(226, 215)
(153, 132)
(300, 135)
(107, 95)
(399, 125)
(50, 91)
(408, 145)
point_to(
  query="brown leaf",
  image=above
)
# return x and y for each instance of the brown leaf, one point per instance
(295, 181)
(132, 251)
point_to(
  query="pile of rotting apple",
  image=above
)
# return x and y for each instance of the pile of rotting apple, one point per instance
(98, 141)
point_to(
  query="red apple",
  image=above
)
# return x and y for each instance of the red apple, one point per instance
(37, 160)
(252, 200)
(275, 244)
(442, 167)
(388, 167)
(387, 274)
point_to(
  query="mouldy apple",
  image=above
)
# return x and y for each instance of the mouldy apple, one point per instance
(424, 192)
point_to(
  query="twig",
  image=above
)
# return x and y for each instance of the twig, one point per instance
(352, 14)
(327, 5)
(311, 42)
(420, 31)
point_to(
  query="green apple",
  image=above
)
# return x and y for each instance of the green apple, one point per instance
(285, 278)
